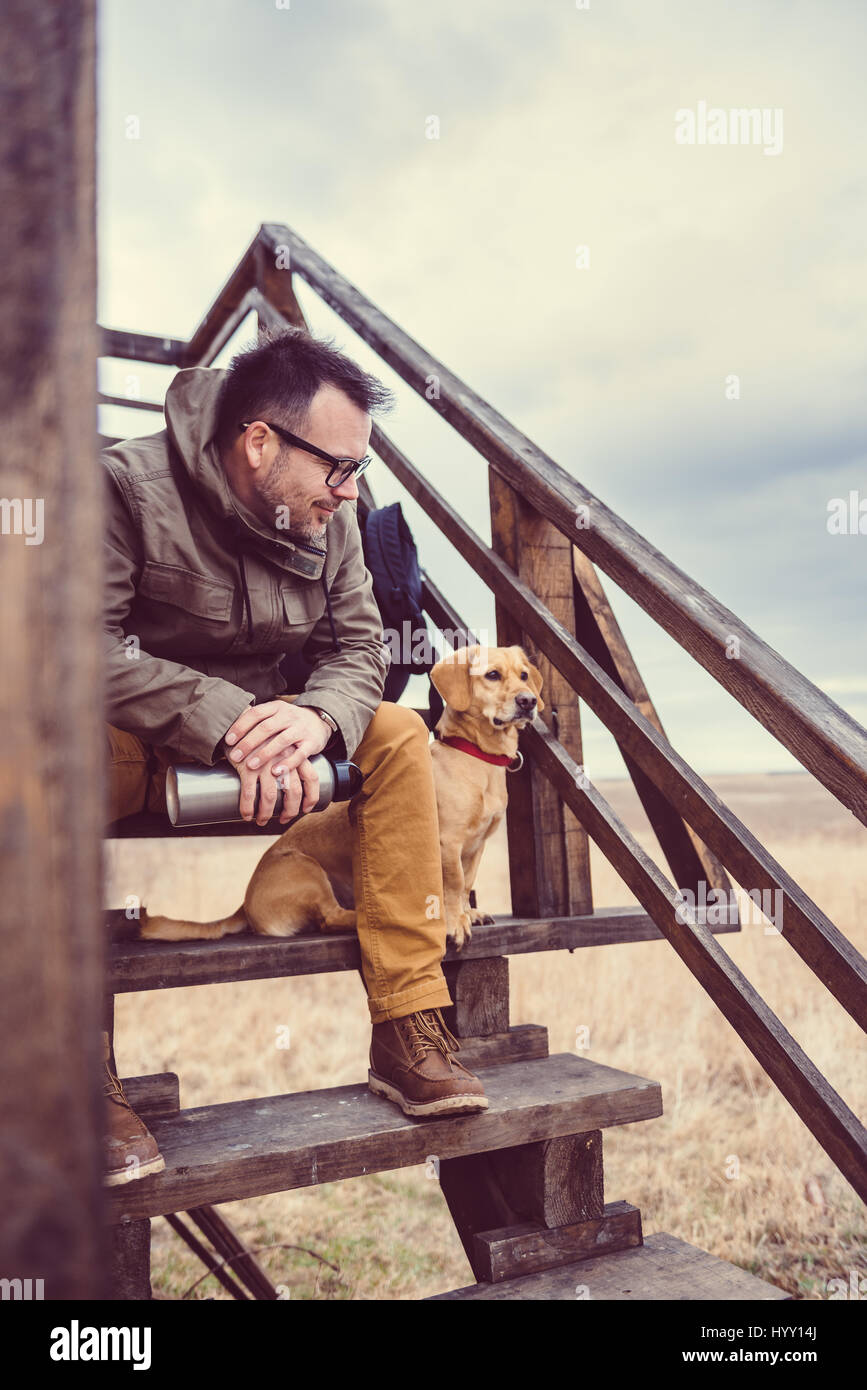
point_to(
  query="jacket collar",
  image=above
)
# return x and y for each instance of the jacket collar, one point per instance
(192, 412)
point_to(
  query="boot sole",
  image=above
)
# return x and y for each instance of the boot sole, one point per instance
(444, 1105)
(134, 1171)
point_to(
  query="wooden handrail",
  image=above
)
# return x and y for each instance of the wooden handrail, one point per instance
(141, 347)
(837, 1129)
(825, 1114)
(821, 735)
(240, 282)
(829, 954)
(131, 402)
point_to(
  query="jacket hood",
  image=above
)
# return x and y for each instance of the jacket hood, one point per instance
(192, 412)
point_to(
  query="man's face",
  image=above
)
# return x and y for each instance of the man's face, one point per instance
(290, 485)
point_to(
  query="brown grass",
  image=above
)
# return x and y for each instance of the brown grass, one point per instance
(787, 1215)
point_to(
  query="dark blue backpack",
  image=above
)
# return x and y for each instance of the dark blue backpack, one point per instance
(391, 556)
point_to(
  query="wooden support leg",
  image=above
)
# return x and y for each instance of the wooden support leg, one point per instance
(480, 990)
(479, 1016)
(548, 1185)
(130, 1260)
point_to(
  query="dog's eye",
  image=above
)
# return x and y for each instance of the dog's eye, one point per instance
(492, 676)
(524, 676)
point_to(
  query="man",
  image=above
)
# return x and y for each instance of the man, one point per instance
(232, 539)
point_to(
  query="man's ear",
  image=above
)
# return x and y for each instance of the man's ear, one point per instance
(536, 685)
(451, 677)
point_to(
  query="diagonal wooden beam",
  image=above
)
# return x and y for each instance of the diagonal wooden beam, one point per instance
(226, 304)
(599, 633)
(829, 1119)
(821, 735)
(829, 954)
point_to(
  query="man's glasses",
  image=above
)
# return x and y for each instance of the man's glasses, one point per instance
(340, 470)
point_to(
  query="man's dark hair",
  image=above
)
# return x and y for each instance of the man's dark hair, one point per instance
(278, 378)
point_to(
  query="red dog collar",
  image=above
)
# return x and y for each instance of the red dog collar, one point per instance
(500, 759)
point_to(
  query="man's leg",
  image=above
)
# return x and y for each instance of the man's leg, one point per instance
(397, 874)
(136, 775)
(397, 880)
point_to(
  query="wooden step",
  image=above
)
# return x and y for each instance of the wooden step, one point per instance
(141, 965)
(663, 1269)
(219, 1153)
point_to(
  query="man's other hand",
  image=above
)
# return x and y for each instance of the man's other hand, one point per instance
(270, 746)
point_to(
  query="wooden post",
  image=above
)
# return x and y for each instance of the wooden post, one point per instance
(480, 990)
(130, 1260)
(274, 281)
(551, 1183)
(51, 772)
(550, 867)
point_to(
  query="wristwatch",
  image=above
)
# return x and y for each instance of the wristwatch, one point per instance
(323, 714)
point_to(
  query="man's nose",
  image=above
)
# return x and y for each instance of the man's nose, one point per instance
(525, 702)
(348, 489)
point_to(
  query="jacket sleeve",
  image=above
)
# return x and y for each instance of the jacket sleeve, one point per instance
(348, 684)
(163, 702)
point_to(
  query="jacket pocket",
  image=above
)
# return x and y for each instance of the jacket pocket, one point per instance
(302, 608)
(198, 594)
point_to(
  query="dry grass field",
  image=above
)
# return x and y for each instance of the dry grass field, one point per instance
(729, 1167)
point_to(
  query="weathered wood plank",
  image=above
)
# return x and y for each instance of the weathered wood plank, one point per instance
(557, 1181)
(210, 331)
(837, 1129)
(551, 1182)
(50, 623)
(157, 1094)
(141, 347)
(130, 402)
(825, 949)
(663, 1269)
(247, 1148)
(549, 855)
(528, 1248)
(522, 1042)
(141, 965)
(130, 1260)
(275, 299)
(821, 735)
(598, 631)
(480, 993)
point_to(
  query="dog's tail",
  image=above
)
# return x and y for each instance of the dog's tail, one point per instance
(172, 929)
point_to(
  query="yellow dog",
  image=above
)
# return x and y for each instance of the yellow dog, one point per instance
(305, 879)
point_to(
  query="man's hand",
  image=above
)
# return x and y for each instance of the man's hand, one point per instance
(270, 747)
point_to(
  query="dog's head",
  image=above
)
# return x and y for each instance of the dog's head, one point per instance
(497, 685)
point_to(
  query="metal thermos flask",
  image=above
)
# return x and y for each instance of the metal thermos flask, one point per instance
(209, 795)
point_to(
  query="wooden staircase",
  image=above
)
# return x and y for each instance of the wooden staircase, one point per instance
(524, 1181)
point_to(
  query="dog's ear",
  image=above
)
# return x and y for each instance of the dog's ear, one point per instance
(536, 685)
(451, 677)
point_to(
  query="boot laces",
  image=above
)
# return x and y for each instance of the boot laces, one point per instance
(113, 1089)
(428, 1031)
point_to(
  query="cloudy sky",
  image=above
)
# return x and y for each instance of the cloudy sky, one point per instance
(556, 130)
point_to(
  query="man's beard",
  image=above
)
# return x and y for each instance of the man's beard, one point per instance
(283, 514)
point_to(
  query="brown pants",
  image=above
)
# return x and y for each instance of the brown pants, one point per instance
(397, 870)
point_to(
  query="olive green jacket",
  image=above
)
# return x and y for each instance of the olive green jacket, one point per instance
(203, 600)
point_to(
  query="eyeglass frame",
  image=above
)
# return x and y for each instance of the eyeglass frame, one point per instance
(357, 466)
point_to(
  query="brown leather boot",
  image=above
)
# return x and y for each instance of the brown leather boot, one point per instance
(130, 1149)
(411, 1064)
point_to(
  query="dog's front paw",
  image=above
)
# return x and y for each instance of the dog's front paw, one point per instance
(479, 919)
(459, 930)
